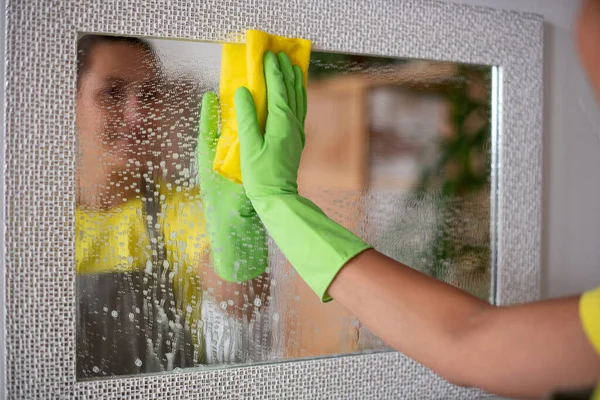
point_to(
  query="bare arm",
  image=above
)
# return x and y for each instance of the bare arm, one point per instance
(526, 350)
(242, 299)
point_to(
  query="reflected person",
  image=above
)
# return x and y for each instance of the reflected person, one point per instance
(142, 238)
(528, 350)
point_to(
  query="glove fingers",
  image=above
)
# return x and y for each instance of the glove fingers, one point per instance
(250, 137)
(305, 98)
(285, 65)
(209, 117)
(208, 130)
(300, 93)
(277, 100)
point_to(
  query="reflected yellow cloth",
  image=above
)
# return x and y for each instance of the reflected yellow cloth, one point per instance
(117, 241)
(589, 312)
(242, 65)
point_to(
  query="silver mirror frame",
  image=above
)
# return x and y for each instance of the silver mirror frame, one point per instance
(37, 177)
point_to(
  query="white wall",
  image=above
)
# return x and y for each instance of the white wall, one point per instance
(571, 172)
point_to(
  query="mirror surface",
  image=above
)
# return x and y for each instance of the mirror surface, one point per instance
(398, 151)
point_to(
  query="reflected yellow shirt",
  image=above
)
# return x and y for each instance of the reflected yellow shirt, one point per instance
(589, 311)
(116, 240)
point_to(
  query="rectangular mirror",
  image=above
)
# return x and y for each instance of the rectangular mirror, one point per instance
(397, 150)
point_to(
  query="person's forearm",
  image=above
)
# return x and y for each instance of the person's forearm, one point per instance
(525, 350)
(415, 314)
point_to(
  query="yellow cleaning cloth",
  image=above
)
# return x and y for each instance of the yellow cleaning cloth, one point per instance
(242, 65)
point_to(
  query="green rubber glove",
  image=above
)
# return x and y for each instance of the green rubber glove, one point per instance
(236, 235)
(315, 245)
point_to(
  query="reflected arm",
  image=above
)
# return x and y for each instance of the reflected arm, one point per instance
(237, 238)
(236, 235)
(241, 298)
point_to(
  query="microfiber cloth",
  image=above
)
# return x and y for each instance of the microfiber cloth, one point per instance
(242, 65)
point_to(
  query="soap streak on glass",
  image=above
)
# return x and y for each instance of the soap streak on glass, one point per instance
(398, 151)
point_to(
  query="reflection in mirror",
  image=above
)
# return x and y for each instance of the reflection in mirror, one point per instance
(399, 151)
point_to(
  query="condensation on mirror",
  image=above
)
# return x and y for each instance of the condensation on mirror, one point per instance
(399, 151)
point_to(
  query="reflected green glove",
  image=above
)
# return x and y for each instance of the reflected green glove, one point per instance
(237, 237)
(315, 245)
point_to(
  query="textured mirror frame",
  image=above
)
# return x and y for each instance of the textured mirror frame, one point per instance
(37, 178)
(2, 202)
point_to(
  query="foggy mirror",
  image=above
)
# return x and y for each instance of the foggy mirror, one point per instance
(398, 151)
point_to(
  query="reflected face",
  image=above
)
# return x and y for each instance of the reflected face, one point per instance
(118, 105)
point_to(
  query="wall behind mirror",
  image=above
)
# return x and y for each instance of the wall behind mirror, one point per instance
(398, 151)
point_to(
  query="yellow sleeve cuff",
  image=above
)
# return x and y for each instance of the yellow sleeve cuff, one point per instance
(589, 312)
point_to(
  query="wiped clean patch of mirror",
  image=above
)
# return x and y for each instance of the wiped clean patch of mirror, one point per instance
(399, 151)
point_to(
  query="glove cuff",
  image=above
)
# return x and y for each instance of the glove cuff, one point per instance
(314, 244)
